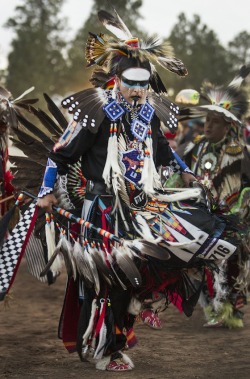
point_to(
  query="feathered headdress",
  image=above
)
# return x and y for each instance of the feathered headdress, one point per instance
(114, 55)
(229, 101)
(106, 51)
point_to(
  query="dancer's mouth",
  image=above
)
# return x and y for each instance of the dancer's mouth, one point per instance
(135, 100)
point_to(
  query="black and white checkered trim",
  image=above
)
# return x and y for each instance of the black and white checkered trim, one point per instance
(12, 249)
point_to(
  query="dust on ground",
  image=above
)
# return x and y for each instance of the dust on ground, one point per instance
(29, 347)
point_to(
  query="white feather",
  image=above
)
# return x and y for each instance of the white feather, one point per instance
(24, 93)
(220, 288)
(57, 265)
(145, 231)
(89, 329)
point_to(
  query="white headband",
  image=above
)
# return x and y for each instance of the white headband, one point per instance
(136, 73)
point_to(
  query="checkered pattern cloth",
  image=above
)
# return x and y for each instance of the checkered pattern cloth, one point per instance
(12, 250)
(174, 165)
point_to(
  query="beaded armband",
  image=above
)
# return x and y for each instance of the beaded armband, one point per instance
(49, 178)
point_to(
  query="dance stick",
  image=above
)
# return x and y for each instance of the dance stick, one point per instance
(79, 220)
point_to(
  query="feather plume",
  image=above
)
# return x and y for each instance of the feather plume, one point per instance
(230, 101)
(87, 104)
(24, 94)
(142, 228)
(100, 77)
(238, 79)
(97, 49)
(82, 265)
(127, 265)
(50, 262)
(103, 269)
(166, 110)
(89, 255)
(111, 263)
(114, 24)
(89, 329)
(150, 249)
(55, 111)
(56, 264)
(106, 51)
(66, 249)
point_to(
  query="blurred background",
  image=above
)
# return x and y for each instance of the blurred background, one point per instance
(42, 41)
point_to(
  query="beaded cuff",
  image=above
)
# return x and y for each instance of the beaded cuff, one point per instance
(49, 178)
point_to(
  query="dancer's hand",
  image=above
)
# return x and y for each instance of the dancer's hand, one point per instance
(188, 178)
(46, 202)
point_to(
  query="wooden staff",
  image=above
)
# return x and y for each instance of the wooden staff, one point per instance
(6, 199)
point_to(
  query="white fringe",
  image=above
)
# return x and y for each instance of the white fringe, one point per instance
(145, 231)
(89, 329)
(57, 265)
(156, 176)
(101, 343)
(220, 288)
(102, 363)
(135, 306)
(181, 195)
(112, 164)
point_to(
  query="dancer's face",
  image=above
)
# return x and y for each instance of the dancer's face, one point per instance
(215, 127)
(134, 86)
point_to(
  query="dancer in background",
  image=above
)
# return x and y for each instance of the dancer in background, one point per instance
(220, 159)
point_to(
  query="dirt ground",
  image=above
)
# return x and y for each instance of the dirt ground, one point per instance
(29, 347)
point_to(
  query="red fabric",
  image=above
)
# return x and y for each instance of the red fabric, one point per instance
(169, 135)
(131, 338)
(70, 316)
(176, 300)
(210, 286)
(8, 187)
(150, 284)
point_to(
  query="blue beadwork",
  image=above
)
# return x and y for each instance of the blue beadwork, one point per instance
(113, 110)
(146, 112)
(139, 129)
